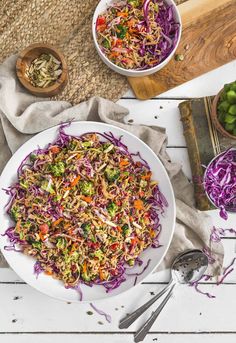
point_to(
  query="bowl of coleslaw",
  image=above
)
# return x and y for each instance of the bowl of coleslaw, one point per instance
(136, 37)
(85, 216)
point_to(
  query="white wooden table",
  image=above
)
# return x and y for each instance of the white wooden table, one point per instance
(28, 316)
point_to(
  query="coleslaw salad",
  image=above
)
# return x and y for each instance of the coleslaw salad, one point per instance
(55, 182)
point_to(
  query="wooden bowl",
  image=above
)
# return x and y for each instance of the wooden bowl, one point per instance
(27, 56)
(215, 119)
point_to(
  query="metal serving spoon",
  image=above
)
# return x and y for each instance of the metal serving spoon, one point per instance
(187, 267)
(185, 264)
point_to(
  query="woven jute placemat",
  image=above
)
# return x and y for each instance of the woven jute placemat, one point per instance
(67, 25)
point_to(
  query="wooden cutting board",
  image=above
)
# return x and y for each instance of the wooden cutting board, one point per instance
(208, 41)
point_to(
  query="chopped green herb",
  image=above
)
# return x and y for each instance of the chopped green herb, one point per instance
(57, 169)
(179, 57)
(121, 31)
(112, 208)
(15, 212)
(47, 186)
(86, 187)
(106, 44)
(112, 174)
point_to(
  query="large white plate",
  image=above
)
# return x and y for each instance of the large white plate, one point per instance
(23, 265)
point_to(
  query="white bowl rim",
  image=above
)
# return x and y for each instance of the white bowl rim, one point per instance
(136, 72)
(171, 196)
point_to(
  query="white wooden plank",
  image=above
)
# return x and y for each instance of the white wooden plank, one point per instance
(163, 113)
(8, 275)
(206, 84)
(221, 223)
(117, 338)
(187, 311)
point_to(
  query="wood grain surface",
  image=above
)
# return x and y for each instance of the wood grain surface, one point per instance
(208, 41)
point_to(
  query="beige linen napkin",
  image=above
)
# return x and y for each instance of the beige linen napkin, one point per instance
(23, 115)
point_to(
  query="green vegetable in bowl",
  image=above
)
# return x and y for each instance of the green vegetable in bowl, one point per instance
(232, 110)
(230, 119)
(231, 96)
(226, 108)
(223, 106)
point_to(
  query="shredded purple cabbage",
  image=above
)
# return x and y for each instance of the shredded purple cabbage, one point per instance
(227, 271)
(195, 284)
(37, 269)
(14, 239)
(216, 236)
(102, 313)
(78, 289)
(218, 233)
(220, 182)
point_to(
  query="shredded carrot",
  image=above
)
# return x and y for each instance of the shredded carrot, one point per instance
(87, 199)
(127, 60)
(138, 204)
(116, 43)
(114, 54)
(101, 274)
(122, 14)
(134, 240)
(54, 149)
(85, 267)
(18, 224)
(75, 181)
(119, 228)
(147, 176)
(66, 225)
(131, 22)
(101, 28)
(152, 233)
(48, 272)
(41, 236)
(73, 248)
(133, 30)
(152, 62)
(131, 219)
(93, 137)
(123, 163)
(57, 222)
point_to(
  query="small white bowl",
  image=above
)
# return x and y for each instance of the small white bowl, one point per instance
(101, 7)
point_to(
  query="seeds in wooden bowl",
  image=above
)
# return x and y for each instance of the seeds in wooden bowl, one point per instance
(44, 71)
